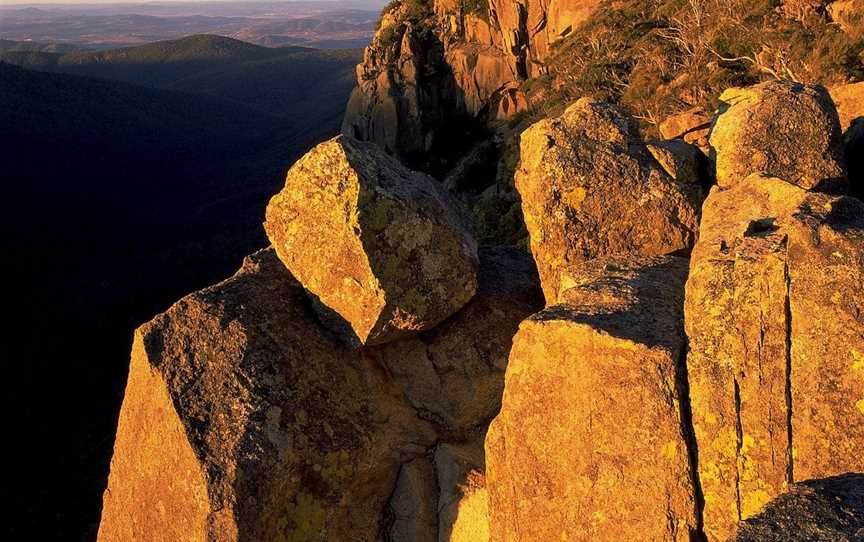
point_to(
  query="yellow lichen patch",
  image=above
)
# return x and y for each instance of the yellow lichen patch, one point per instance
(753, 501)
(860, 405)
(857, 360)
(574, 197)
(670, 450)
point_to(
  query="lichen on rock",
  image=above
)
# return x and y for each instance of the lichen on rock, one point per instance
(591, 188)
(591, 442)
(243, 419)
(381, 245)
(773, 321)
(782, 129)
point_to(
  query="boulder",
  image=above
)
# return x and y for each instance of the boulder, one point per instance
(783, 129)
(244, 420)
(849, 100)
(382, 246)
(590, 188)
(773, 319)
(454, 373)
(693, 126)
(592, 442)
(413, 507)
(822, 510)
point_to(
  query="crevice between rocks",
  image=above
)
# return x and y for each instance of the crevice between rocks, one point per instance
(688, 432)
(790, 466)
(739, 435)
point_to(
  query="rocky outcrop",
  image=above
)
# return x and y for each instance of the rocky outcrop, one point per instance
(430, 65)
(529, 28)
(783, 129)
(244, 420)
(454, 374)
(773, 318)
(591, 188)
(382, 246)
(824, 510)
(436, 63)
(591, 442)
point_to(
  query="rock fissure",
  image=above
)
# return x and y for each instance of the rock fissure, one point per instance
(787, 305)
(685, 410)
(739, 443)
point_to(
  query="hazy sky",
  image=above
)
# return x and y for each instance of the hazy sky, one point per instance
(347, 3)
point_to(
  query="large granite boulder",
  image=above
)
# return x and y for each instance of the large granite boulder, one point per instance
(244, 419)
(780, 128)
(592, 443)
(773, 315)
(382, 246)
(591, 188)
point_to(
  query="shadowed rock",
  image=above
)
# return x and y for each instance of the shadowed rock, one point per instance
(590, 188)
(783, 129)
(382, 246)
(244, 420)
(823, 510)
(454, 374)
(591, 442)
(775, 365)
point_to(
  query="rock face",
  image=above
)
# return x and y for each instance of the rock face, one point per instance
(244, 420)
(775, 366)
(529, 28)
(591, 188)
(591, 442)
(435, 64)
(382, 246)
(454, 373)
(783, 129)
(824, 510)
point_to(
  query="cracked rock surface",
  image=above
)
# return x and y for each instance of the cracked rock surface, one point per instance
(774, 322)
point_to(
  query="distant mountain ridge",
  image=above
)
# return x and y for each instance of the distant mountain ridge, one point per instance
(278, 81)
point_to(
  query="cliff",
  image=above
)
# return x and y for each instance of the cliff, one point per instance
(437, 66)
(674, 353)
